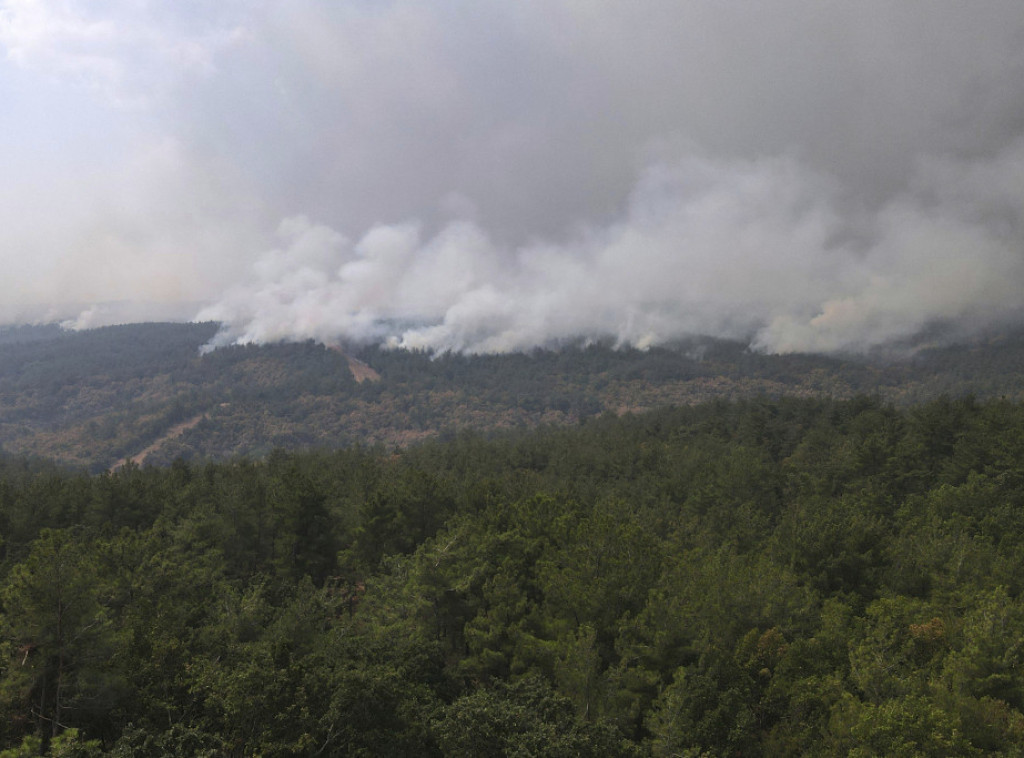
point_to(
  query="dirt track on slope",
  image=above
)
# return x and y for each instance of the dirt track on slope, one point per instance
(173, 433)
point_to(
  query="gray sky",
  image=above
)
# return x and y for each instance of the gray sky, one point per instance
(495, 175)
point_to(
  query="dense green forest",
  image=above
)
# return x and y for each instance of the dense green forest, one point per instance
(757, 577)
(144, 391)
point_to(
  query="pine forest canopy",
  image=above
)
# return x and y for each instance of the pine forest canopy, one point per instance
(696, 550)
(756, 577)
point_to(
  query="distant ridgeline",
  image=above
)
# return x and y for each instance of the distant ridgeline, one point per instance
(144, 392)
(10, 335)
(793, 577)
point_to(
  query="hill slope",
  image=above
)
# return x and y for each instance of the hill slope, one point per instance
(99, 396)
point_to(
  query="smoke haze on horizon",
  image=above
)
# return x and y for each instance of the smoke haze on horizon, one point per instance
(487, 177)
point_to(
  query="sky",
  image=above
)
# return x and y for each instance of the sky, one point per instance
(487, 176)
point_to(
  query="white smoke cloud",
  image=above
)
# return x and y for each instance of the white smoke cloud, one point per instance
(491, 176)
(754, 249)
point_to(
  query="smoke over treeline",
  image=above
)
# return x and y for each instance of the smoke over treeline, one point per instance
(755, 249)
(495, 176)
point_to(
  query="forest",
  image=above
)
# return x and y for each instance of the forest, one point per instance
(98, 397)
(788, 576)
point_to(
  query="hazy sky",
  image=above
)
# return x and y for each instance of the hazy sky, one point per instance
(496, 175)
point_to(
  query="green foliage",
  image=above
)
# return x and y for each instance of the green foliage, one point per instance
(57, 620)
(522, 719)
(800, 577)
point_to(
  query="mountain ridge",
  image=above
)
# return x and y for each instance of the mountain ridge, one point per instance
(95, 397)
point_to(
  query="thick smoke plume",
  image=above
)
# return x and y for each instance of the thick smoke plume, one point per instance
(488, 176)
(749, 249)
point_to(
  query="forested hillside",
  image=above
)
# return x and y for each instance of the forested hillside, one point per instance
(791, 577)
(98, 397)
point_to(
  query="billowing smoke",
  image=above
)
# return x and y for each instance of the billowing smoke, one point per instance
(487, 176)
(746, 249)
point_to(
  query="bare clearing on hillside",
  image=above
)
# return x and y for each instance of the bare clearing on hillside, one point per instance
(173, 433)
